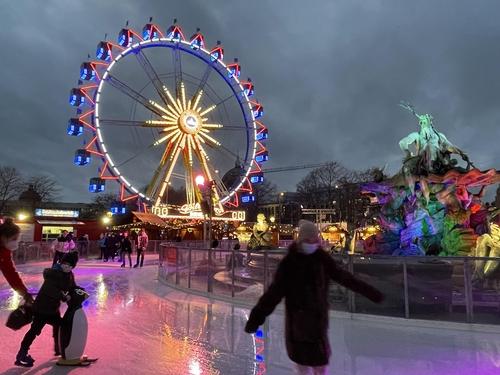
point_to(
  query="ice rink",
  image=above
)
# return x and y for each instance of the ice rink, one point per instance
(140, 326)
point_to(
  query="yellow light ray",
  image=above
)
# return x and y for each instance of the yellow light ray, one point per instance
(183, 96)
(170, 117)
(197, 138)
(189, 104)
(191, 146)
(176, 139)
(183, 141)
(169, 128)
(213, 126)
(197, 99)
(180, 104)
(170, 97)
(214, 141)
(156, 105)
(156, 175)
(208, 110)
(173, 110)
(164, 138)
(167, 175)
(154, 124)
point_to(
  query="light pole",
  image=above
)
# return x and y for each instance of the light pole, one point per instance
(206, 193)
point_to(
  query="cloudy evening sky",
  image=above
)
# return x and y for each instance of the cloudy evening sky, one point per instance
(330, 74)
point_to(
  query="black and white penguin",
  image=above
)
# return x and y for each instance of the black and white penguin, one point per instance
(73, 331)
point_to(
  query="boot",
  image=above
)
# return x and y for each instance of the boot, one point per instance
(24, 359)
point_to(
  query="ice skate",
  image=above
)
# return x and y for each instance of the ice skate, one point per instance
(23, 359)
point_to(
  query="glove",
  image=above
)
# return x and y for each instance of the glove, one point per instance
(251, 327)
(377, 296)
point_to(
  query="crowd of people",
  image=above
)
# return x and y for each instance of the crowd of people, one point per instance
(122, 245)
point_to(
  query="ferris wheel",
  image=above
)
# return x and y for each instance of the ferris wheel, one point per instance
(158, 111)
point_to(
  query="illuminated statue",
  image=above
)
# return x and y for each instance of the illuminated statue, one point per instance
(431, 147)
(488, 245)
(261, 236)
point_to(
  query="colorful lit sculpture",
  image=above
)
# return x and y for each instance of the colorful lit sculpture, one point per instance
(433, 204)
(261, 237)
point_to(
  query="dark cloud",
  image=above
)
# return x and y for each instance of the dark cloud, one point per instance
(330, 74)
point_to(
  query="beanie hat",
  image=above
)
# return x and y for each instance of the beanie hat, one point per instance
(70, 258)
(307, 231)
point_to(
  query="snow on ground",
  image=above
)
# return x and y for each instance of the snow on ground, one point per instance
(139, 326)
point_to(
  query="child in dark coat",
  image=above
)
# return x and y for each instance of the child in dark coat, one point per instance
(58, 281)
(303, 278)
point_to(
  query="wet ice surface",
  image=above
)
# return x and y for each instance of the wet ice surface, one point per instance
(139, 326)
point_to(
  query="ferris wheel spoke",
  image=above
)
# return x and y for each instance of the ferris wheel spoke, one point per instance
(168, 173)
(131, 93)
(128, 123)
(224, 100)
(151, 73)
(176, 56)
(204, 79)
(158, 171)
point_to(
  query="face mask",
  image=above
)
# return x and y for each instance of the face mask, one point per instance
(309, 248)
(12, 245)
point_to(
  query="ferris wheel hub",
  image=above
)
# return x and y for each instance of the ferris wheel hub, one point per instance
(190, 122)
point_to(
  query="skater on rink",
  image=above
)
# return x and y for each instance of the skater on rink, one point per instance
(9, 241)
(303, 278)
(142, 244)
(58, 281)
(125, 249)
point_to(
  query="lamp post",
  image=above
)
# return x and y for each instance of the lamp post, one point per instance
(206, 193)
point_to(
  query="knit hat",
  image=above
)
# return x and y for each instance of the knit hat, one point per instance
(308, 231)
(70, 258)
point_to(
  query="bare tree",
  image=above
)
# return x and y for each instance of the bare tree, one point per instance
(318, 187)
(11, 184)
(45, 186)
(265, 192)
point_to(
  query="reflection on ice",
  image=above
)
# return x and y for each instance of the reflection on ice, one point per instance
(138, 326)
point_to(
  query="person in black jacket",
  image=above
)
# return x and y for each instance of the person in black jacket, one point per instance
(303, 278)
(126, 249)
(58, 281)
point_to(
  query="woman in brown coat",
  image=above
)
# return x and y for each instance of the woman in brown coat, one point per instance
(302, 278)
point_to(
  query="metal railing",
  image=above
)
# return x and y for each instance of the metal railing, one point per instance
(433, 288)
(44, 250)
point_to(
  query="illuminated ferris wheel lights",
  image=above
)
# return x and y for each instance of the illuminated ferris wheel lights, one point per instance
(217, 143)
(182, 125)
(217, 53)
(183, 95)
(174, 32)
(208, 110)
(125, 38)
(234, 69)
(87, 72)
(212, 126)
(104, 51)
(76, 97)
(75, 127)
(197, 41)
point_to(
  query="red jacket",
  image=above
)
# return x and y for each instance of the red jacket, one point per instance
(9, 271)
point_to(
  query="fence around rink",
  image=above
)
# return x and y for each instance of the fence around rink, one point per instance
(431, 288)
(44, 250)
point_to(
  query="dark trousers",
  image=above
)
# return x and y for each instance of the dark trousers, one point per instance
(103, 251)
(110, 252)
(140, 255)
(123, 254)
(57, 257)
(39, 321)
